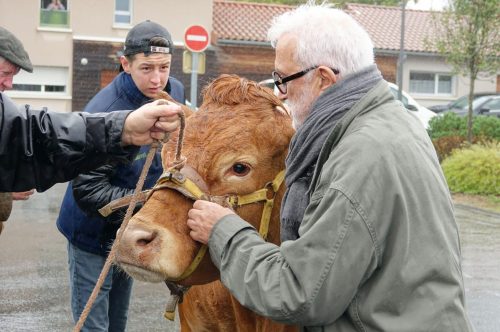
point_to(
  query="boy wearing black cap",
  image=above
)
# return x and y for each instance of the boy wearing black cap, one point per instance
(146, 63)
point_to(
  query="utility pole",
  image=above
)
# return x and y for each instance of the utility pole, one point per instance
(401, 58)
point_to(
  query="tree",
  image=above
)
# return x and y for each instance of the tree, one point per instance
(468, 37)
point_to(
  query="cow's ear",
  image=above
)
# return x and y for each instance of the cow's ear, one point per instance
(169, 149)
(283, 110)
(166, 96)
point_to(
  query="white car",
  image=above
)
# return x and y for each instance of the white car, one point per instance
(269, 83)
(423, 114)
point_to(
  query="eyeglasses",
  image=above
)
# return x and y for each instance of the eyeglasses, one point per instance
(280, 82)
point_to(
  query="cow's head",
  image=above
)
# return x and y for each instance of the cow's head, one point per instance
(235, 144)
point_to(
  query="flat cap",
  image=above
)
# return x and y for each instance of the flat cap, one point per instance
(12, 50)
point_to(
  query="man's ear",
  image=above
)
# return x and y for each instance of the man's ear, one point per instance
(125, 64)
(328, 77)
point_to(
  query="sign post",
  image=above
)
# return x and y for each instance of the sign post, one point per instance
(196, 39)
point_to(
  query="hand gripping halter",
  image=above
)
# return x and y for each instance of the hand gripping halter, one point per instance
(189, 187)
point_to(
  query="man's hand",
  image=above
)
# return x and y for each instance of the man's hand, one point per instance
(22, 196)
(202, 218)
(149, 122)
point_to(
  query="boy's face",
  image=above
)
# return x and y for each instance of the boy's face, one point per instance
(149, 73)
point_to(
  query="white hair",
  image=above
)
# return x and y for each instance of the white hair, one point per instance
(325, 36)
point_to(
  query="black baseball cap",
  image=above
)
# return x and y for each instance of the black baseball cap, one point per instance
(12, 50)
(139, 39)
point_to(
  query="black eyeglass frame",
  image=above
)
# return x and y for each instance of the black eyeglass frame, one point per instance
(281, 81)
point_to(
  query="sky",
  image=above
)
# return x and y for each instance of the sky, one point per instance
(427, 4)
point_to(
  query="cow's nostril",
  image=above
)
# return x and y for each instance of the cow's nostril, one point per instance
(145, 239)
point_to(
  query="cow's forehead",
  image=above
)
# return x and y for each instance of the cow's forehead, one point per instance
(230, 133)
(239, 124)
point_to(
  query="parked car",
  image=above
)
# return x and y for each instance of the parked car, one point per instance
(422, 113)
(269, 83)
(490, 107)
(460, 103)
(485, 105)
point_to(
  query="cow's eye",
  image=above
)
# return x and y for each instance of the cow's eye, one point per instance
(241, 169)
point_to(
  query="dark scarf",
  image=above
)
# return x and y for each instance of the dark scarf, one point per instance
(306, 144)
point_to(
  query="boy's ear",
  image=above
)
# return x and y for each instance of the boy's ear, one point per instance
(125, 64)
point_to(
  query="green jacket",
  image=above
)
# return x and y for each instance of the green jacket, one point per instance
(379, 248)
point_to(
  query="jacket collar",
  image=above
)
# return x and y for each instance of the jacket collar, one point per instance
(378, 95)
(128, 88)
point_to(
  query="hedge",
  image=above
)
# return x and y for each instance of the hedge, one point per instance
(449, 132)
(474, 170)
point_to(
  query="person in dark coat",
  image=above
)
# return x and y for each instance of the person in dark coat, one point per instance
(146, 64)
(37, 149)
(11, 47)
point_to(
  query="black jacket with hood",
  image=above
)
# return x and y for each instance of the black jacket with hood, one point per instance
(41, 148)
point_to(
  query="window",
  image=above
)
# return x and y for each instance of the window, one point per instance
(27, 87)
(123, 12)
(54, 13)
(43, 80)
(431, 83)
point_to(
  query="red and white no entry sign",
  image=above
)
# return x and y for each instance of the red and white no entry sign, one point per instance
(196, 38)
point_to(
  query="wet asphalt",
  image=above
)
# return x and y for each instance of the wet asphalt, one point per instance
(34, 287)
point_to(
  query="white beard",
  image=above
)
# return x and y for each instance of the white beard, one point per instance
(300, 106)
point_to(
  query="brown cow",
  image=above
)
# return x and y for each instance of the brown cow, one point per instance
(235, 144)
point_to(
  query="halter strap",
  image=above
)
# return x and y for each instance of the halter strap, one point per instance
(176, 180)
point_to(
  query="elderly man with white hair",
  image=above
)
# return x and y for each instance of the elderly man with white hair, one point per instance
(370, 241)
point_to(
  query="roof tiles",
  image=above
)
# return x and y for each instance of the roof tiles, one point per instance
(245, 21)
(383, 24)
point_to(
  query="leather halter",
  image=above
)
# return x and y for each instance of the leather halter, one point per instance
(190, 184)
(176, 180)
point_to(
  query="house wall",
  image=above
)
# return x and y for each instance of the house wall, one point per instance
(103, 66)
(256, 62)
(94, 18)
(388, 66)
(45, 47)
(91, 21)
(436, 64)
(93, 36)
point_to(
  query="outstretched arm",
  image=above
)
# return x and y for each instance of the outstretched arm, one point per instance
(41, 148)
(150, 122)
